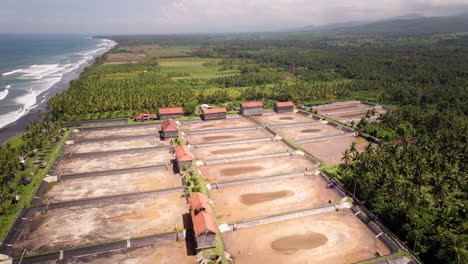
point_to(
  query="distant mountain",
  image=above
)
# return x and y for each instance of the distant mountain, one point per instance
(408, 26)
(349, 24)
(404, 17)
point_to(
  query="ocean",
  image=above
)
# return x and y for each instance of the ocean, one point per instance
(30, 65)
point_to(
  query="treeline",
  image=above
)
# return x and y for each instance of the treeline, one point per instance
(14, 169)
(418, 187)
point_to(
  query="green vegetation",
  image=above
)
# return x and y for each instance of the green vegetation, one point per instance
(417, 188)
(20, 173)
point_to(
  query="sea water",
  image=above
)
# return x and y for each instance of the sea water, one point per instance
(32, 64)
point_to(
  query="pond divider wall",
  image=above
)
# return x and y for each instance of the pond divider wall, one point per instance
(133, 243)
(262, 156)
(197, 132)
(98, 122)
(260, 180)
(325, 138)
(232, 142)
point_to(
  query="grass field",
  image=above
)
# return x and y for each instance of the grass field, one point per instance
(195, 66)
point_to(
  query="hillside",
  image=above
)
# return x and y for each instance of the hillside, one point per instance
(419, 26)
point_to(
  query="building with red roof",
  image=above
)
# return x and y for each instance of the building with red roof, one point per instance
(169, 129)
(204, 226)
(251, 108)
(281, 107)
(144, 117)
(214, 113)
(184, 157)
(170, 113)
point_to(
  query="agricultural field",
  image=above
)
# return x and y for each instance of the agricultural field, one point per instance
(284, 118)
(331, 151)
(115, 132)
(210, 137)
(239, 122)
(134, 142)
(314, 130)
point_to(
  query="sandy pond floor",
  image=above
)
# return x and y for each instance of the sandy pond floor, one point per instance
(113, 132)
(307, 132)
(217, 124)
(284, 118)
(333, 237)
(227, 136)
(256, 168)
(240, 150)
(331, 151)
(112, 184)
(248, 201)
(113, 161)
(116, 144)
(166, 252)
(96, 223)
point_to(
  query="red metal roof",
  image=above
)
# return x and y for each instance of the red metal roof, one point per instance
(202, 222)
(214, 111)
(168, 111)
(198, 201)
(284, 104)
(141, 115)
(183, 153)
(169, 126)
(202, 216)
(252, 104)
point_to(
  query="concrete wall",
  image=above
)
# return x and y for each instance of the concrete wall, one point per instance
(283, 109)
(169, 134)
(169, 116)
(214, 116)
(250, 111)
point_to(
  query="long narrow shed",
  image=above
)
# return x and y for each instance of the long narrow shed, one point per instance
(203, 222)
(170, 113)
(251, 108)
(214, 113)
(281, 107)
(169, 129)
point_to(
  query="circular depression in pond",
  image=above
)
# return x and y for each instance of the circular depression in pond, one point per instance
(255, 198)
(291, 244)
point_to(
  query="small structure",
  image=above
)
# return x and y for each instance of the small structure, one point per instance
(170, 113)
(251, 108)
(184, 157)
(203, 222)
(282, 107)
(169, 129)
(214, 113)
(142, 117)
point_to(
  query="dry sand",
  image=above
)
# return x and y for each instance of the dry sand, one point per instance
(331, 151)
(112, 132)
(333, 237)
(240, 150)
(284, 118)
(307, 132)
(256, 168)
(117, 144)
(166, 252)
(217, 124)
(99, 162)
(253, 200)
(97, 223)
(113, 184)
(227, 136)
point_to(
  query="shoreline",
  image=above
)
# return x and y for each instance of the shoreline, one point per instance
(17, 127)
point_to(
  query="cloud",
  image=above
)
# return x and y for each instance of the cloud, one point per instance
(256, 15)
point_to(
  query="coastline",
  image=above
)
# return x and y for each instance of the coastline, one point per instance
(19, 126)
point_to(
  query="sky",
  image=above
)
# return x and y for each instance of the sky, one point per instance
(202, 16)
